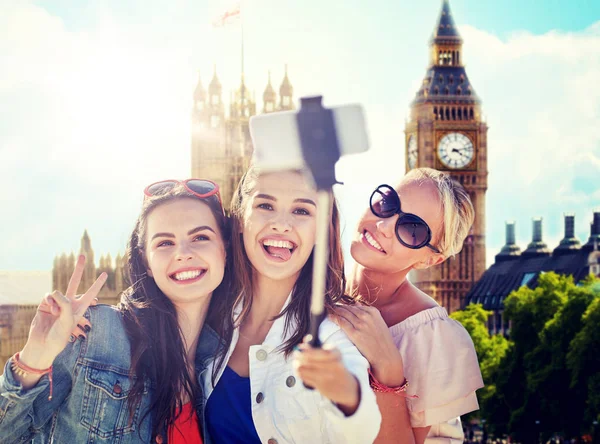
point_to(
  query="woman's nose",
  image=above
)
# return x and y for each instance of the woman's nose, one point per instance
(183, 252)
(281, 223)
(386, 226)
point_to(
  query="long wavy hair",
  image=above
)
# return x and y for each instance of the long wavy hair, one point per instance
(298, 310)
(158, 354)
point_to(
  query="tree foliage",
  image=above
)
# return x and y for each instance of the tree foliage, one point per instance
(546, 378)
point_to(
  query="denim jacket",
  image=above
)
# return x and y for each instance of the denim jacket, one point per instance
(91, 386)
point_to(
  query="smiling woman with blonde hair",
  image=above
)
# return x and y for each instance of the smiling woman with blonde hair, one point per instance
(423, 364)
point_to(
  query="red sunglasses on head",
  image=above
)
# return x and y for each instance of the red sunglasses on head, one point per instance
(201, 188)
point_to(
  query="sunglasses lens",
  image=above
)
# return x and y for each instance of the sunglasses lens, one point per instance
(159, 188)
(202, 187)
(385, 202)
(413, 231)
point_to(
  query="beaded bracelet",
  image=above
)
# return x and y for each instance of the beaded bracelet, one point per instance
(382, 388)
(23, 370)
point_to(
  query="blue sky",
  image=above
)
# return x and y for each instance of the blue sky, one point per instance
(95, 102)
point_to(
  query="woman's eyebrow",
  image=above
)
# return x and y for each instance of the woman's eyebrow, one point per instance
(274, 199)
(200, 228)
(192, 231)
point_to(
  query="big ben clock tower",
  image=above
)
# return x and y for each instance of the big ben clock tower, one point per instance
(446, 132)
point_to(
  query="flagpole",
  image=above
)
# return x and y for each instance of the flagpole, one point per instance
(243, 86)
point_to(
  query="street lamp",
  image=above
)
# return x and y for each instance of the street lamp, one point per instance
(537, 424)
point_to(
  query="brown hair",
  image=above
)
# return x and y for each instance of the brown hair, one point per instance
(158, 352)
(298, 309)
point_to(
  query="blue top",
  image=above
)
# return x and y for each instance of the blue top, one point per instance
(228, 412)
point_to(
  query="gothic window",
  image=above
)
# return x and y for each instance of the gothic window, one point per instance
(462, 79)
(446, 90)
(285, 100)
(448, 118)
(471, 114)
(453, 113)
(435, 113)
(458, 91)
(451, 80)
(441, 79)
(460, 113)
(269, 107)
(215, 99)
(436, 91)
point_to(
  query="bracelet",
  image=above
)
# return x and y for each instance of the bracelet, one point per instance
(382, 388)
(23, 370)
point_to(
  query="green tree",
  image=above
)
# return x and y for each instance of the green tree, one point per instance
(490, 350)
(532, 381)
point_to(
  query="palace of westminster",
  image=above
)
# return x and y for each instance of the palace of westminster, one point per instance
(445, 131)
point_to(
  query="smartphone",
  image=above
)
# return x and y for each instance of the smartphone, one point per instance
(277, 143)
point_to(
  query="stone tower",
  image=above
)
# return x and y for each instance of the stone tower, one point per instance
(221, 145)
(446, 131)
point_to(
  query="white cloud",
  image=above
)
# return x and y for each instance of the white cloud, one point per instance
(89, 116)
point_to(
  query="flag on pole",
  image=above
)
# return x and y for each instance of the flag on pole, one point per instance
(231, 15)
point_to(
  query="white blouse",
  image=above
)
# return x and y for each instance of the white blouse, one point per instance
(442, 367)
(284, 411)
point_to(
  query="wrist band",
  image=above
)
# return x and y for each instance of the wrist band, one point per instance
(23, 370)
(382, 388)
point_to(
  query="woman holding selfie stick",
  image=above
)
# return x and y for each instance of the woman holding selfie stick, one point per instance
(133, 379)
(259, 396)
(423, 364)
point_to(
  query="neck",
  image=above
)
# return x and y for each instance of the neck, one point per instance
(268, 298)
(191, 317)
(375, 287)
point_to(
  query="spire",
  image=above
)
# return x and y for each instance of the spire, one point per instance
(86, 244)
(269, 97)
(214, 88)
(511, 249)
(199, 92)
(446, 28)
(569, 242)
(286, 91)
(537, 247)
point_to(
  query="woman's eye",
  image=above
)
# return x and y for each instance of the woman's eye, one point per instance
(265, 206)
(201, 237)
(302, 212)
(164, 243)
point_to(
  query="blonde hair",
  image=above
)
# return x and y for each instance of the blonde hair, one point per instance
(457, 208)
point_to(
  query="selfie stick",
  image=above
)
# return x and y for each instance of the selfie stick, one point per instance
(320, 149)
(313, 138)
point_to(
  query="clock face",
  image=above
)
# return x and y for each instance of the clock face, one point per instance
(412, 152)
(455, 150)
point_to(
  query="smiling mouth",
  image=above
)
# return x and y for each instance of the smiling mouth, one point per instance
(370, 240)
(188, 275)
(279, 249)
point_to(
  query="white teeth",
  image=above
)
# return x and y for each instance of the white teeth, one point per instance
(371, 240)
(185, 275)
(278, 243)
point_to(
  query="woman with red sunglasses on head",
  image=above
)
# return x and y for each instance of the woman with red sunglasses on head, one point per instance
(259, 396)
(424, 368)
(132, 375)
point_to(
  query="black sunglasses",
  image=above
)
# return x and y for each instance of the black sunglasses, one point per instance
(412, 231)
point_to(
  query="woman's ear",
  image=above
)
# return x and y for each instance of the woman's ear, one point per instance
(435, 259)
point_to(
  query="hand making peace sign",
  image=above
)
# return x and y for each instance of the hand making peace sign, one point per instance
(57, 316)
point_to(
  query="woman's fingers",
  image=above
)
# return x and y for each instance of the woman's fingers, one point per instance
(85, 325)
(91, 294)
(63, 303)
(76, 277)
(79, 332)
